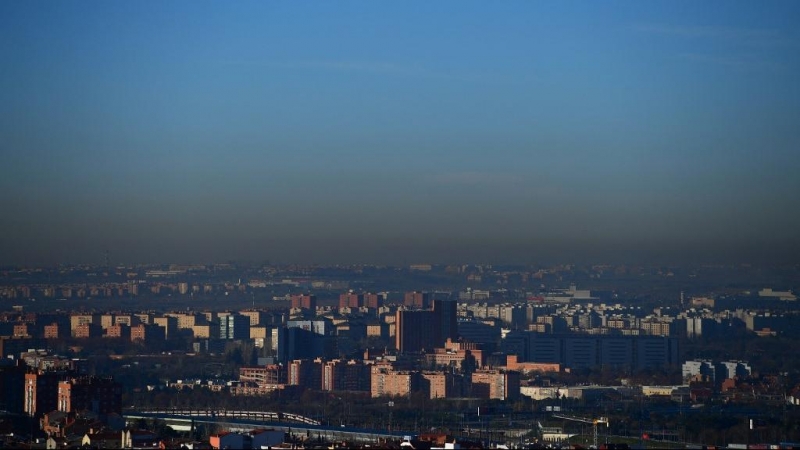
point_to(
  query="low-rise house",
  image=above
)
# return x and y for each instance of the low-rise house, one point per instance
(105, 439)
(229, 440)
(266, 438)
(140, 439)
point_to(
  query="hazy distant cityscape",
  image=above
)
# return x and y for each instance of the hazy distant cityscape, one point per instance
(475, 356)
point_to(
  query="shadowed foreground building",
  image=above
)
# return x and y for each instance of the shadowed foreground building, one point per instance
(425, 330)
(338, 375)
(148, 333)
(12, 383)
(41, 392)
(95, 394)
(415, 331)
(13, 347)
(234, 326)
(576, 351)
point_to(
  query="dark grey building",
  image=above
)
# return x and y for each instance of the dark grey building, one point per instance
(234, 326)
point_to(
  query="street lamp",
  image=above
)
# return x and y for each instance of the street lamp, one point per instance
(391, 404)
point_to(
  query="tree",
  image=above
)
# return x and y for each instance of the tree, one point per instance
(253, 356)
(235, 356)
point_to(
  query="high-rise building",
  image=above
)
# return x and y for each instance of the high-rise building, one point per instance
(700, 326)
(655, 352)
(425, 330)
(126, 319)
(513, 316)
(205, 331)
(351, 300)
(582, 351)
(83, 319)
(234, 326)
(169, 324)
(88, 330)
(380, 330)
(41, 392)
(701, 368)
(304, 301)
(256, 317)
(373, 301)
(45, 320)
(733, 369)
(144, 317)
(387, 382)
(418, 300)
(616, 353)
(259, 332)
(118, 331)
(305, 373)
(442, 384)
(415, 331)
(187, 320)
(301, 339)
(106, 320)
(98, 395)
(12, 387)
(715, 372)
(323, 327)
(22, 330)
(148, 333)
(446, 312)
(479, 332)
(338, 375)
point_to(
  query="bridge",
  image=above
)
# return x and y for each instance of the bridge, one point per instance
(244, 421)
(262, 416)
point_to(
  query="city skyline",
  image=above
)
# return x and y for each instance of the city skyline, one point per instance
(399, 133)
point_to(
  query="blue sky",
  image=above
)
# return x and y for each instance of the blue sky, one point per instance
(398, 131)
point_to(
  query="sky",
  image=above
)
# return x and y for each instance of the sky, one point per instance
(399, 132)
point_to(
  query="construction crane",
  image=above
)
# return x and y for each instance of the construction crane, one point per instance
(594, 422)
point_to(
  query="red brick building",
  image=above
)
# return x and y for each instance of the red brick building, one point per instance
(373, 301)
(387, 382)
(419, 300)
(87, 330)
(304, 301)
(52, 331)
(351, 300)
(22, 330)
